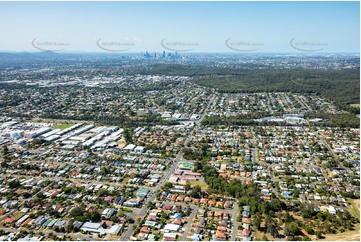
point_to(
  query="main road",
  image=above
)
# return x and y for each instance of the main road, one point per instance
(151, 198)
(74, 236)
(331, 151)
(195, 208)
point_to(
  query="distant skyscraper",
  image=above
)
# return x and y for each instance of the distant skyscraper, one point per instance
(147, 55)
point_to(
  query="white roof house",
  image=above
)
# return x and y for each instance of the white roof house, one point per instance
(93, 227)
(139, 149)
(115, 229)
(172, 227)
(129, 147)
(331, 209)
(170, 235)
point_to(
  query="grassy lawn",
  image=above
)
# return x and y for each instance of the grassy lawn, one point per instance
(354, 208)
(259, 234)
(345, 236)
(203, 185)
(63, 125)
(18, 215)
(355, 105)
(35, 121)
(126, 209)
(125, 180)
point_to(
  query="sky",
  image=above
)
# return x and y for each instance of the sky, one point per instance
(180, 26)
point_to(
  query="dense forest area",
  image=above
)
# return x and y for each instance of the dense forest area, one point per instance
(339, 86)
(342, 120)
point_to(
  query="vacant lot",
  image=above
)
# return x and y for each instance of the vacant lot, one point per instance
(125, 180)
(354, 208)
(203, 185)
(122, 143)
(62, 125)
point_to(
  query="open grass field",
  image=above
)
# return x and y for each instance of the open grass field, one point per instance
(57, 124)
(259, 235)
(62, 125)
(203, 185)
(354, 208)
(346, 236)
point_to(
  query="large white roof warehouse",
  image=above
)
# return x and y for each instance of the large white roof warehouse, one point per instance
(93, 227)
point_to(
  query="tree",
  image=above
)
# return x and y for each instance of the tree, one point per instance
(188, 211)
(277, 205)
(128, 136)
(292, 229)
(187, 186)
(50, 234)
(94, 216)
(102, 192)
(307, 211)
(309, 230)
(5, 151)
(197, 166)
(67, 190)
(14, 184)
(104, 171)
(114, 219)
(256, 222)
(120, 213)
(288, 217)
(271, 227)
(69, 227)
(264, 238)
(6, 156)
(306, 238)
(318, 234)
(168, 185)
(196, 192)
(150, 205)
(77, 211)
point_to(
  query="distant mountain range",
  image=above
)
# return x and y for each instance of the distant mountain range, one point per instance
(21, 56)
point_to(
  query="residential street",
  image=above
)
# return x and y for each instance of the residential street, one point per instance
(189, 224)
(234, 221)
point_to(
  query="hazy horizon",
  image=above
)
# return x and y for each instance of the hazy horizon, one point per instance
(202, 27)
(182, 53)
